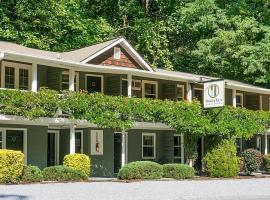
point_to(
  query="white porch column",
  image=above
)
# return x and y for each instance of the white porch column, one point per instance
(234, 97)
(265, 144)
(124, 149)
(129, 80)
(189, 92)
(72, 139)
(71, 79)
(260, 103)
(182, 149)
(34, 77)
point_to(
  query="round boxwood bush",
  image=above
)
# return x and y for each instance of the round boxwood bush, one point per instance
(62, 173)
(252, 159)
(32, 174)
(78, 161)
(11, 166)
(221, 160)
(141, 170)
(178, 171)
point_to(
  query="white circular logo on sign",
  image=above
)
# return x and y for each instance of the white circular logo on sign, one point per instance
(213, 90)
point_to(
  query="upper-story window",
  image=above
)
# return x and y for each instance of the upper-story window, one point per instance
(16, 76)
(239, 100)
(180, 92)
(117, 53)
(65, 81)
(149, 89)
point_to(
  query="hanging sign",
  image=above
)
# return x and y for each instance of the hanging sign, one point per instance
(214, 94)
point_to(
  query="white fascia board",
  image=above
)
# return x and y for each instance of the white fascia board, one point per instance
(56, 122)
(137, 56)
(121, 70)
(43, 121)
(128, 47)
(91, 67)
(247, 88)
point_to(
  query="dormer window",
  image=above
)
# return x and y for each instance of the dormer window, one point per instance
(117, 53)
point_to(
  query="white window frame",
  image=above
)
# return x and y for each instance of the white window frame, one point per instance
(179, 146)
(241, 95)
(81, 132)
(149, 82)
(183, 92)
(95, 75)
(117, 53)
(17, 67)
(154, 145)
(134, 81)
(77, 75)
(4, 134)
(57, 148)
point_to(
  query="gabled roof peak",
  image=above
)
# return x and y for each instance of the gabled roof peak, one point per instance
(82, 55)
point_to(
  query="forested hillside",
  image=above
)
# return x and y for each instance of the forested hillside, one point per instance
(226, 38)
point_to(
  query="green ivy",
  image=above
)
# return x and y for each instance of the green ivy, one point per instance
(120, 113)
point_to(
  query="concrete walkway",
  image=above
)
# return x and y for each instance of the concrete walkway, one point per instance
(246, 189)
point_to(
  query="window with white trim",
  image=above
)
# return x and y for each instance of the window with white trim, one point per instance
(150, 89)
(16, 76)
(177, 146)
(65, 81)
(149, 145)
(180, 92)
(239, 100)
(117, 53)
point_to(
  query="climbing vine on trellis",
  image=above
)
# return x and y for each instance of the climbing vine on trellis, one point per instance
(120, 113)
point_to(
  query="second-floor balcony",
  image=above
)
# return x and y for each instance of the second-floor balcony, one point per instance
(27, 76)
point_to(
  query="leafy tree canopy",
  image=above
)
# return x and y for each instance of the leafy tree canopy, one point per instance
(225, 38)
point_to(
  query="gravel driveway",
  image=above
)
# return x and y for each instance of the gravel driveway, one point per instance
(246, 189)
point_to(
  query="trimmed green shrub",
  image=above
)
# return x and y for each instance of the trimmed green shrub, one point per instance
(78, 161)
(178, 171)
(221, 160)
(266, 160)
(241, 164)
(62, 173)
(141, 170)
(11, 166)
(32, 174)
(253, 160)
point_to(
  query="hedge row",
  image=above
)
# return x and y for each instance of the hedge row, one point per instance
(76, 168)
(152, 170)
